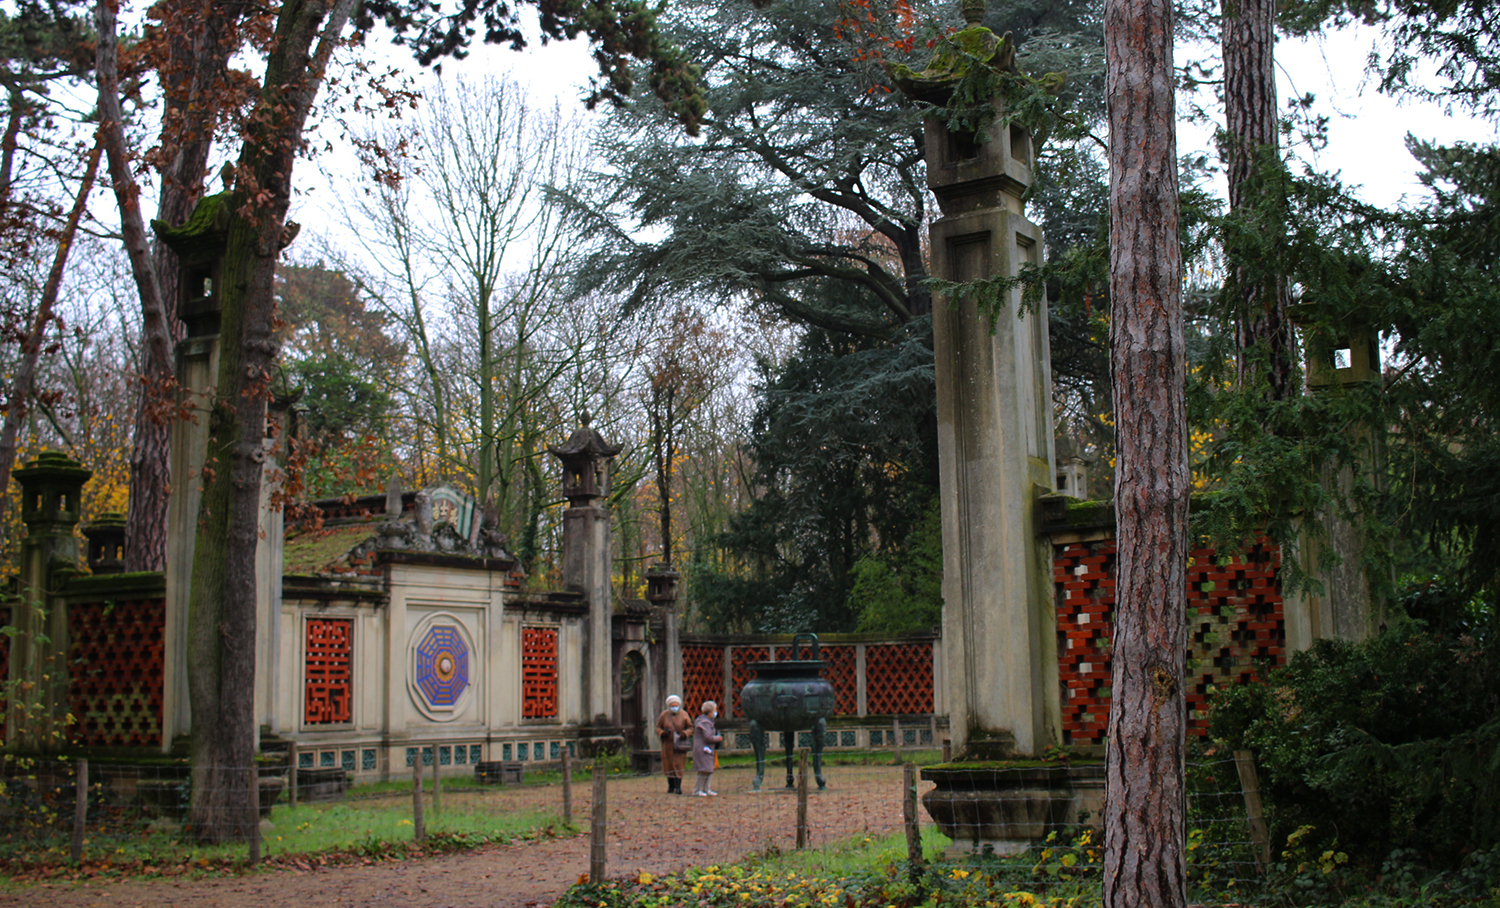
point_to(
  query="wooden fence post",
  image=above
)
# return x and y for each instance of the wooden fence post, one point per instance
(801, 799)
(253, 774)
(419, 828)
(567, 785)
(437, 784)
(598, 825)
(291, 774)
(909, 816)
(1244, 762)
(80, 807)
(947, 750)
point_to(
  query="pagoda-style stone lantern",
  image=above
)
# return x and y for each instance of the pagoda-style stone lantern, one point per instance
(51, 503)
(200, 244)
(661, 585)
(585, 459)
(51, 500)
(1346, 360)
(106, 550)
(1073, 477)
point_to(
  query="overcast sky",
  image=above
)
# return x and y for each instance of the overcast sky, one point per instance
(1366, 131)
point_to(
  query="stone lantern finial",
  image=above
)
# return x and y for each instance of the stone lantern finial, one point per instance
(973, 11)
(585, 461)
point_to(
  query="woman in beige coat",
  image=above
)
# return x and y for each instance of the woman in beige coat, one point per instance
(674, 719)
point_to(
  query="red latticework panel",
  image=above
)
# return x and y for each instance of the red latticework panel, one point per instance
(1235, 618)
(842, 671)
(539, 673)
(328, 672)
(702, 675)
(1084, 575)
(741, 673)
(898, 678)
(1236, 624)
(115, 655)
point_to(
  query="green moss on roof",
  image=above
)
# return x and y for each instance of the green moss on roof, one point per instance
(311, 552)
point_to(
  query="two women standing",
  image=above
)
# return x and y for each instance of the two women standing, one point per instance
(681, 735)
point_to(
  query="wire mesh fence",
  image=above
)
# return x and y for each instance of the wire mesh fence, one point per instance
(1038, 834)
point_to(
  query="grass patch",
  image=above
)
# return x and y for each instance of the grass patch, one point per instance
(369, 828)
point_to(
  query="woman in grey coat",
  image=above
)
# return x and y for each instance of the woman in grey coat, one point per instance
(706, 739)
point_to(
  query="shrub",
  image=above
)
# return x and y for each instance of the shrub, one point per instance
(1386, 744)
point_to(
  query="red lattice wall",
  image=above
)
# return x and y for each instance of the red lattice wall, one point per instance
(329, 671)
(702, 675)
(116, 657)
(1235, 619)
(742, 657)
(842, 671)
(538, 673)
(898, 678)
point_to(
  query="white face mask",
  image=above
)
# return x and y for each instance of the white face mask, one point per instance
(675, 708)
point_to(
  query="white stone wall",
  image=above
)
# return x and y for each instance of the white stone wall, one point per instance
(391, 720)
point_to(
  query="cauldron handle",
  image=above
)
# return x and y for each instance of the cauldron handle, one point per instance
(797, 651)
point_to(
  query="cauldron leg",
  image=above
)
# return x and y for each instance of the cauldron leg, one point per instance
(819, 732)
(758, 741)
(788, 738)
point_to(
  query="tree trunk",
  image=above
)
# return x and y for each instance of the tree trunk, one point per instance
(222, 614)
(146, 522)
(21, 385)
(1263, 338)
(1144, 834)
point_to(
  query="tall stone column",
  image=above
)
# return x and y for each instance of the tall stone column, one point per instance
(995, 446)
(51, 489)
(200, 245)
(585, 459)
(1342, 608)
(198, 305)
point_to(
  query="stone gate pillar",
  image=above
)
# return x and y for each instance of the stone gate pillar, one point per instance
(995, 447)
(585, 459)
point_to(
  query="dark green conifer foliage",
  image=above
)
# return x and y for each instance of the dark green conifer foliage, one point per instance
(805, 197)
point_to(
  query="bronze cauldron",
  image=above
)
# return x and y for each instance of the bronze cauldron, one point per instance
(788, 696)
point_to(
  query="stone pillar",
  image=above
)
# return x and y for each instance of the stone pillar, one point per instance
(268, 573)
(200, 245)
(585, 459)
(200, 257)
(661, 591)
(1342, 609)
(995, 446)
(51, 488)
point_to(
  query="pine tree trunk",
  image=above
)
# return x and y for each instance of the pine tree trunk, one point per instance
(221, 607)
(1144, 833)
(1263, 334)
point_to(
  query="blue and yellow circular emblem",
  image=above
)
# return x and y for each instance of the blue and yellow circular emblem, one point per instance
(442, 666)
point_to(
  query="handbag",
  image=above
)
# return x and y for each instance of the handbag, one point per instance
(680, 742)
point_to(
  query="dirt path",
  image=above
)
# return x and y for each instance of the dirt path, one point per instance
(648, 831)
